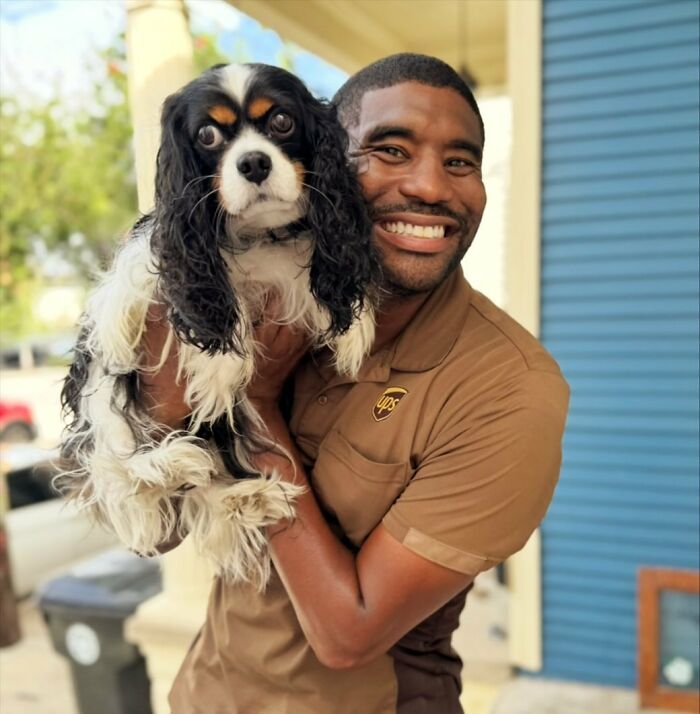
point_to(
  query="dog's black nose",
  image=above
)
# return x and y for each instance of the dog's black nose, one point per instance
(255, 166)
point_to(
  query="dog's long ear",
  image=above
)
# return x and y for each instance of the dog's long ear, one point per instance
(343, 264)
(193, 275)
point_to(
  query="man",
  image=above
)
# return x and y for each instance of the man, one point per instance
(435, 465)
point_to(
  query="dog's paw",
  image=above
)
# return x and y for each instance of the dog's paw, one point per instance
(227, 523)
(180, 460)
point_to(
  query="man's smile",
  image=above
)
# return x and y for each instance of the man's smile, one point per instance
(431, 232)
(416, 233)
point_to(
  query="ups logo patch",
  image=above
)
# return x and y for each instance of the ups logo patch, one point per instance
(385, 405)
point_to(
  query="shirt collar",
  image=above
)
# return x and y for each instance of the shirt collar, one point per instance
(430, 335)
(422, 344)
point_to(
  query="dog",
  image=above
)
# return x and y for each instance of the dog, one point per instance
(254, 198)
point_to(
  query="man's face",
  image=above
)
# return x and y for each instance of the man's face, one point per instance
(418, 152)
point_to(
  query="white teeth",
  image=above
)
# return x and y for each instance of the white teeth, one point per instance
(437, 231)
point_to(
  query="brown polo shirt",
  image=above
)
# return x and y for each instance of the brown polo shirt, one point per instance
(450, 437)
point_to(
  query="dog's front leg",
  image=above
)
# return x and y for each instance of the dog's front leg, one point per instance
(227, 518)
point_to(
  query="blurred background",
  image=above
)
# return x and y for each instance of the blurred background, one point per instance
(590, 240)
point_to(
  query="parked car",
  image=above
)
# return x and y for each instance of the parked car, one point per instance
(41, 351)
(16, 422)
(45, 534)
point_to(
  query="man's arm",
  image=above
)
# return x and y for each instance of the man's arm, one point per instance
(163, 393)
(482, 488)
(352, 608)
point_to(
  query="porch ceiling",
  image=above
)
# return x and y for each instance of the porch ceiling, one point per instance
(353, 33)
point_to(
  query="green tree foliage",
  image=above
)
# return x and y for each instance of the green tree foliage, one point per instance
(67, 183)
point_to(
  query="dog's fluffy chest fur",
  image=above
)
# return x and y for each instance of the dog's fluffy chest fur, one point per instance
(280, 268)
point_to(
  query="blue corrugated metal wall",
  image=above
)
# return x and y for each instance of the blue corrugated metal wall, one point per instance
(620, 313)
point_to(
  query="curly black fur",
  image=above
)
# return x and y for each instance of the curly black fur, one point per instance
(344, 263)
(126, 401)
(72, 393)
(193, 276)
(228, 443)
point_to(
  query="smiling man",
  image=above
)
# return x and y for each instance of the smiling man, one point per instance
(434, 465)
(421, 173)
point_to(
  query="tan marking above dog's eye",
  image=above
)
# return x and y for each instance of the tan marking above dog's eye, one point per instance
(223, 115)
(259, 107)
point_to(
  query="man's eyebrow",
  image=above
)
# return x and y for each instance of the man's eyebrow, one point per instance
(384, 131)
(469, 146)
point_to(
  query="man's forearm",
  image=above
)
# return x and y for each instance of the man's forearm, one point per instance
(319, 573)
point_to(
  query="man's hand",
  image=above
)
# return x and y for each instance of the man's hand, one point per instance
(280, 347)
(163, 394)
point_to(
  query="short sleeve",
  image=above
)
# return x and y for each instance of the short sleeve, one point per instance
(486, 478)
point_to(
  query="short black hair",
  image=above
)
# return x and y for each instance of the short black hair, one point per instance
(395, 69)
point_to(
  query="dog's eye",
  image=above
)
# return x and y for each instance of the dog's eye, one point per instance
(281, 124)
(210, 136)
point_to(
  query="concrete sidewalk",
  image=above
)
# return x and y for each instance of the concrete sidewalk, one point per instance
(532, 696)
(34, 679)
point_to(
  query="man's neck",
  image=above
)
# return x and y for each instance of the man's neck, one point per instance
(393, 315)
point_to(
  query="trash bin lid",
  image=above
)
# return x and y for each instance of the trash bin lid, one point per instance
(113, 584)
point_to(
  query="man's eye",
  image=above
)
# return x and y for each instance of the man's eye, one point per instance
(281, 124)
(210, 136)
(461, 164)
(390, 151)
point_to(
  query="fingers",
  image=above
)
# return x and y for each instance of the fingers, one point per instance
(157, 312)
(156, 340)
(163, 391)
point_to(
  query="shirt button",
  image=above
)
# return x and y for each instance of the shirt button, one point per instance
(322, 400)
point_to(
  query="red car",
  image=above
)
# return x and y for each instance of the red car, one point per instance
(16, 422)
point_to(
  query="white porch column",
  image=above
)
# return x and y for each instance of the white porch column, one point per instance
(159, 50)
(523, 286)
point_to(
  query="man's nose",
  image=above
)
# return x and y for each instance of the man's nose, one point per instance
(428, 181)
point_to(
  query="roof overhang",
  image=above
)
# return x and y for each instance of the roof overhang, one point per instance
(352, 33)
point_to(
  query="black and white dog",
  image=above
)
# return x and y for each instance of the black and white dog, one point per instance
(253, 197)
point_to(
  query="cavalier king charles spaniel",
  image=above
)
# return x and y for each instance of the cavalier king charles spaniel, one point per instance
(254, 197)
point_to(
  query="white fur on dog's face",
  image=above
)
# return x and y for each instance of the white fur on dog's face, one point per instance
(277, 201)
(235, 79)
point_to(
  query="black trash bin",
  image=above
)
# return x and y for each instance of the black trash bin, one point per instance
(85, 612)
